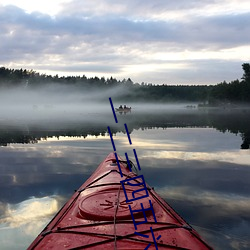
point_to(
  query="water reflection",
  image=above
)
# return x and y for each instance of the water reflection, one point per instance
(20, 222)
(29, 210)
(199, 169)
(82, 125)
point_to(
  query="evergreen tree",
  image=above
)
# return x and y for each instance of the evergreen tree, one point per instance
(246, 69)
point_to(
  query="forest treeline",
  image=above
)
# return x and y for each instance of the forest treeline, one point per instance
(236, 91)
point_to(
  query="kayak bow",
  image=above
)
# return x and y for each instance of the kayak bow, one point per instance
(113, 212)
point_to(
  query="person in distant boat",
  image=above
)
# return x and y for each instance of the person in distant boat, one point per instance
(125, 106)
(120, 107)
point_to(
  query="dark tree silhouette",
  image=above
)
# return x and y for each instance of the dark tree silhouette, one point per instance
(223, 93)
(246, 69)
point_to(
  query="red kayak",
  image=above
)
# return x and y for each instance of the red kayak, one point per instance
(116, 209)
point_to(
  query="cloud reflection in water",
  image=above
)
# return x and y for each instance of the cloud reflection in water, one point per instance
(198, 171)
(25, 220)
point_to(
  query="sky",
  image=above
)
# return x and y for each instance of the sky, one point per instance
(152, 41)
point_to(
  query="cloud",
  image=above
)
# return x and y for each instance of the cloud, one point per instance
(122, 30)
(148, 10)
(92, 37)
(29, 210)
(233, 204)
(26, 220)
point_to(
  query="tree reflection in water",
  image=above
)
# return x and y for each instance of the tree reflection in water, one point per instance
(234, 121)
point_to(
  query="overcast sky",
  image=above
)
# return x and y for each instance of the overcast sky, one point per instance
(154, 41)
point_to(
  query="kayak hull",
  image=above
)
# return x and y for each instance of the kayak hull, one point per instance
(103, 214)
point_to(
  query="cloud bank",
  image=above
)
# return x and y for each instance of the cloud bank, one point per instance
(159, 41)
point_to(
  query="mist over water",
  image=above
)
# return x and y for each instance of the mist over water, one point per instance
(65, 103)
(55, 102)
(57, 109)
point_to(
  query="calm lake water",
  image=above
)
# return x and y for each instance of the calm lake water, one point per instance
(197, 160)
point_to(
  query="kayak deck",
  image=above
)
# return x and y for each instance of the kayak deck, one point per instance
(113, 212)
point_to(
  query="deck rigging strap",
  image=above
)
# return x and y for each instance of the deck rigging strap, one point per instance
(115, 214)
(131, 164)
(116, 210)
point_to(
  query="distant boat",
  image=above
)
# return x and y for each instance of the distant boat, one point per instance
(126, 110)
